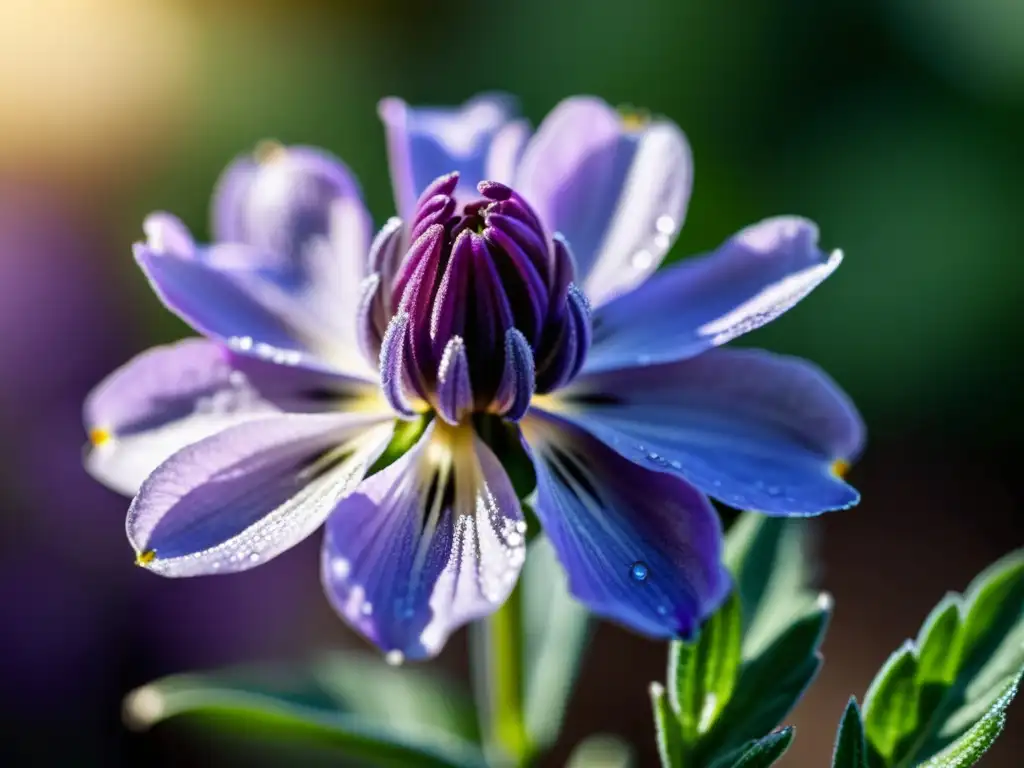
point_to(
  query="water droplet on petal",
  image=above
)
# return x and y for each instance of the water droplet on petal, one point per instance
(676, 464)
(666, 225)
(639, 571)
(642, 259)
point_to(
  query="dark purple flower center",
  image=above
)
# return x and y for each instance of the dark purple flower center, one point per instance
(486, 312)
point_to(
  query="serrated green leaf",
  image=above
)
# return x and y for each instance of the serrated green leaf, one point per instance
(764, 752)
(770, 685)
(702, 673)
(968, 749)
(556, 631)
(286, 710)
(851, 749)
(768, 557)
(954, 682)
(669, 735)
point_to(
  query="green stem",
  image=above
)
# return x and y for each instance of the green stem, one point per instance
(497, 650)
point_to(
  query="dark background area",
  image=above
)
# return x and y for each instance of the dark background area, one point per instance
(895, 124)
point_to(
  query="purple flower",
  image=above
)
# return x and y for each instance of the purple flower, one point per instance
(513, 305)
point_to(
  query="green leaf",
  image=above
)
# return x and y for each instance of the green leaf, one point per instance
(968, 749)
(946, 693)
(768, 557)
(851, 750)
(763, 752)
(770, 685)
(556, 629)
(703, 672)
(754, 658)
(670, 736)
(312, 706)
(601, 751)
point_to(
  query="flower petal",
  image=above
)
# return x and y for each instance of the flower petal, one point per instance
(642, 548)
(426, 545)
(753, 429)
(424, 143)
(618, 192)
(248, 493)
(280, 200)
(214, 291)
(703, 302)
(169, 397)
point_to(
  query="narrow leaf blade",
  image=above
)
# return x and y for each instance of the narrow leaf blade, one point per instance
(235, 704)
(851, 749)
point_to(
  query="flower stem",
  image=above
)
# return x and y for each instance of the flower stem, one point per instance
(497, 650)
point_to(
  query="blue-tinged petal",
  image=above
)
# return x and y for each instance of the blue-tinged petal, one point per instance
(172, 396)
(753, 429)
(703, 302)
(426, 545)
(212, 290)
(279, 201)
(615, 186)
(246, 494)
(477, 139)
(642, 548)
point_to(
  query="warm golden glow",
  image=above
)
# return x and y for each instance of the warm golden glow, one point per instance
(82, 80)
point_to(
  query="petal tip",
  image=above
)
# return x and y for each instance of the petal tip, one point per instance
(99, 436)
(145, 557)
(839, 468)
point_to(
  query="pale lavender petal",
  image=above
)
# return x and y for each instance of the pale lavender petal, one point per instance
(703, 302)
(279, 201)
(426, 545)
(616, 190)
(642, 548)
(424, 143)
(240, 306)
(236, 499)
(752, 429)
(172, 396)
(159, 402)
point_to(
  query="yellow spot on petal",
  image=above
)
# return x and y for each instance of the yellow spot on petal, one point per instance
(634, 120)
(840, 467)
(98, 436)
(269, 151)
(146, 557)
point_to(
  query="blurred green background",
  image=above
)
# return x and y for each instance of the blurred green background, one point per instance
(895, 124)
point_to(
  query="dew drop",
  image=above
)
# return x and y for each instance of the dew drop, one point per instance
(394, 658)
(642, 259)
(676, 464)
(254, 557)
(666, 225)
(639, 571)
